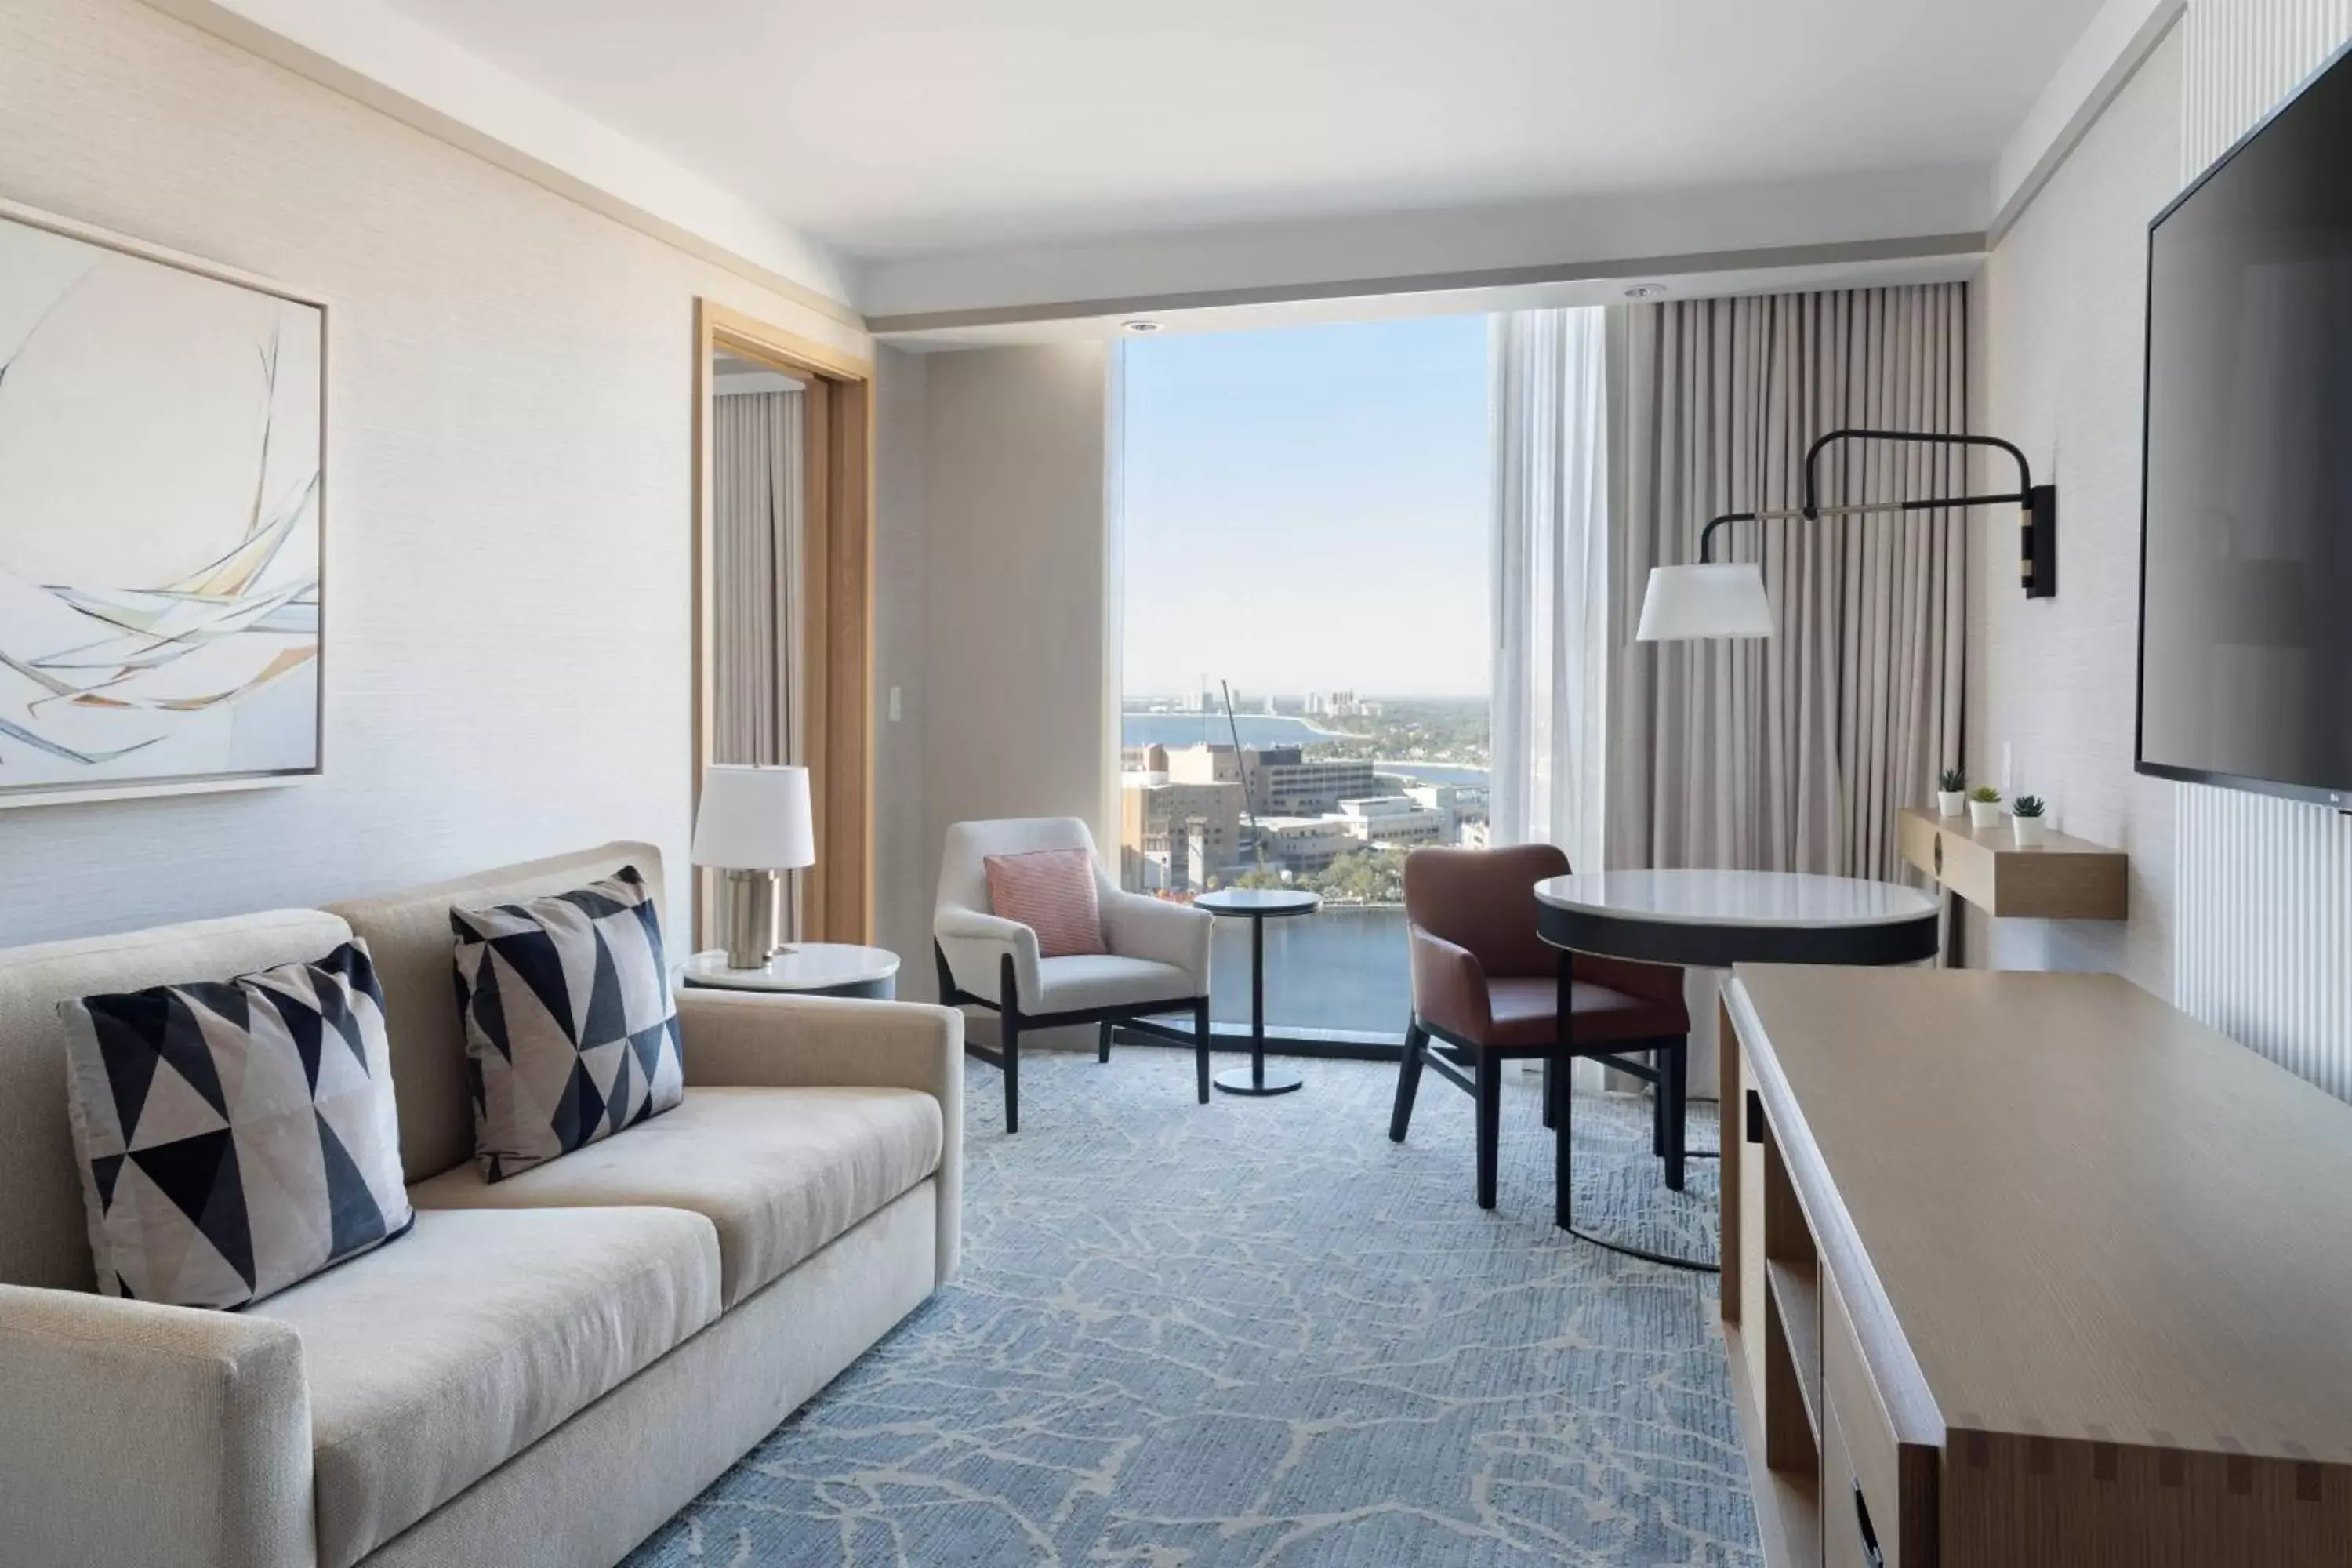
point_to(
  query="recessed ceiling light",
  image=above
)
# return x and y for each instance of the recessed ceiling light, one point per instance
(1647, 291)
(1139, 326)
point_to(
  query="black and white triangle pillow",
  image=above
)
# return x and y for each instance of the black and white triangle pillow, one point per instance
(570, 1025)
(235, 1137)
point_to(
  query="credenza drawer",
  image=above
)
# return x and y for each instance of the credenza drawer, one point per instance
(1872, 1484)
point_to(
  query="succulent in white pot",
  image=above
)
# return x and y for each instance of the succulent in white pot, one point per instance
(2025, 818)
(1951, 793)
(1984, 806)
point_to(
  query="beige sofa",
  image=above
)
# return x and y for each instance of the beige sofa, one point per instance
(541, 1371)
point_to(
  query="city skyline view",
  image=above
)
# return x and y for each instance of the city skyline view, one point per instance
(1305, 510)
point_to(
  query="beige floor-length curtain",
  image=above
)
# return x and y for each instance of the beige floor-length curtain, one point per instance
(1793, 753)
(756, 512)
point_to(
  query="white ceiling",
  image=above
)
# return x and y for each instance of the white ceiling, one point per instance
(904, 128)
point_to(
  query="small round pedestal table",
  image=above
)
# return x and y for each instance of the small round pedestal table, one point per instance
(1257, 905)
(1715, 920)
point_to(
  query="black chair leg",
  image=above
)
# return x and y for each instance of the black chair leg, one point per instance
(1009, 1028)
(1416, 1041)
(1490, 1125)
(1660, 1097)
(1674, 1095)
(1201, 1047)
(1009, 1042)
(1102, 1045)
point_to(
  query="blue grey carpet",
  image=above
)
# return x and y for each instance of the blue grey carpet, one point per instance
(1256, 1333)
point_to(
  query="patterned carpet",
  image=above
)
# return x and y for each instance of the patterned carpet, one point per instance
(1258, 1334)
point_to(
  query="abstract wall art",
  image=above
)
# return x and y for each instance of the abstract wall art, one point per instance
(162, 533)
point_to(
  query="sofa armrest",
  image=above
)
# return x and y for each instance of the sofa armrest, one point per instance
(749, 1040)
(1140, 926)
(975, 945)
(142, 1436)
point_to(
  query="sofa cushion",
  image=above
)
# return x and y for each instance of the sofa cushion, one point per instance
(431, 1363)
(569, 1021)
(44, 1228)
(235, 1137)
(779, 1172)
(408, 933)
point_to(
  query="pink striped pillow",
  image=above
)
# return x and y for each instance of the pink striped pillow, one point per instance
(1051, 892)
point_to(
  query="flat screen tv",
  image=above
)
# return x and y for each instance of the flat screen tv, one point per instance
(2245, 624)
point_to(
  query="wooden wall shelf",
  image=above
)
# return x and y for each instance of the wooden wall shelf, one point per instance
(2060, 879)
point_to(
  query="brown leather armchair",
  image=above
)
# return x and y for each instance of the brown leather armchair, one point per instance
(1485, 986)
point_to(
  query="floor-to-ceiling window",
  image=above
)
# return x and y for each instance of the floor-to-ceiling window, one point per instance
(1306, 636)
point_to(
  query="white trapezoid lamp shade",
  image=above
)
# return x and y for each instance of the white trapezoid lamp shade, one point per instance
(754, 818)
(1709, 600)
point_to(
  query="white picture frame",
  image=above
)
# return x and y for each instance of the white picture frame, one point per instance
(162, 521)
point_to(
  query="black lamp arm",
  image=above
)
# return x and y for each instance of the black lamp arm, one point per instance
(2039, 558)
(1813, 453)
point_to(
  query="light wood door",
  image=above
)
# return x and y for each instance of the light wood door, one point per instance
(835, 642)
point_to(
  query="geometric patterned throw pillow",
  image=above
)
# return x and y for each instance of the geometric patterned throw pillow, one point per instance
(570, 1026)
(235, 1138)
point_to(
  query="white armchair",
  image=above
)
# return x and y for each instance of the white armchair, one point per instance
(1158, 960)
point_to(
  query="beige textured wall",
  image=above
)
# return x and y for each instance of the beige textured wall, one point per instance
(2058, 310)
(906, 862)
(1015, 698)
(508, 467)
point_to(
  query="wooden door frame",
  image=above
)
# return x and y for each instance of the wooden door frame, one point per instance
(835, 642)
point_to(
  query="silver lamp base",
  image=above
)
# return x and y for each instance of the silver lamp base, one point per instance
(751, 904)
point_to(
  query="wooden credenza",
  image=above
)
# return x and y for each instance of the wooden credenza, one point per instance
(2031, 1270)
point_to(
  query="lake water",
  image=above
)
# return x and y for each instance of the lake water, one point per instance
(1345, 968)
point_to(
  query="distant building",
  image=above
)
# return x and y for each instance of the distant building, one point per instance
(1175, 836)
(1394, 821)
(1476, 836)
(1204, 763)
(1306, 845)
(1143, 759)
(1282, 781)
(1461, 805)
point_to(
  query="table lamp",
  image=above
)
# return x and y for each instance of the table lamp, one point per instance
(754, 822)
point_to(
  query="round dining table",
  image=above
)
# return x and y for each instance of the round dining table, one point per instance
(1713, 920)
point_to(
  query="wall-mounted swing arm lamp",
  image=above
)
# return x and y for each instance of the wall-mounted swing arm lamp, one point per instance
(1726, 599)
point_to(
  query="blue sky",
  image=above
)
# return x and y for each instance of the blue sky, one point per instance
(1305, 509)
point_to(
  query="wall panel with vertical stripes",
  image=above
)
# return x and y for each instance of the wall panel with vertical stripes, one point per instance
(2263, 935)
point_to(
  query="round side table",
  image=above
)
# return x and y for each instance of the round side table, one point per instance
(1257, 905)
(808, 969)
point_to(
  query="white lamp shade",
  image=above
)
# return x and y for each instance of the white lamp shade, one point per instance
(754, 819)
(1715, 600)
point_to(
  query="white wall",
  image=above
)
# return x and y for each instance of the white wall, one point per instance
(1014, 702)
(2240, 906)
(507, 622)
(2059, 307)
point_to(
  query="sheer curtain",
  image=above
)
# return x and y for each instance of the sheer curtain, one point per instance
(756, 512)
(1550, 577)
